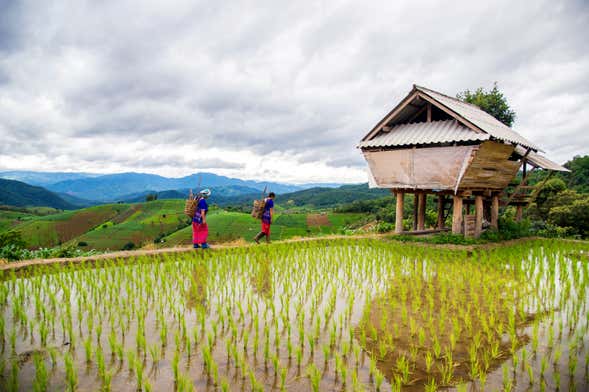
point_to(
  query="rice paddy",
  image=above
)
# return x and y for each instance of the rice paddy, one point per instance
(319, 315)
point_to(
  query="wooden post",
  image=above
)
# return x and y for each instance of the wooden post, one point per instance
(415, 211)
(421, 211)
(399, 212)
(495, 211)
(457, 214)
(440, 211)
(478, 227)
(429, 112)
(519, 212)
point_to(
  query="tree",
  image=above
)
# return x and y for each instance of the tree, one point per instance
(578, 178)
(492, 102)
(572, 212)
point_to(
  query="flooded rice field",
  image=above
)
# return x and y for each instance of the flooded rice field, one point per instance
(318, 315)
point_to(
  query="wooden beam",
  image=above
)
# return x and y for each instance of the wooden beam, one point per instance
(419, 113)
(440, 223)
(429, 112)
(478, 228)
(421, 211)
(399, 212)
(457, 214)
(495, 211)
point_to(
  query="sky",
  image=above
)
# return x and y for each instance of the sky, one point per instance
(270, 90)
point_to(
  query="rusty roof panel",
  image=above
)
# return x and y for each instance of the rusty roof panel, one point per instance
(434, 132)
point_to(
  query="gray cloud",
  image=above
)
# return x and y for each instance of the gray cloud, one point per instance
(304, 79)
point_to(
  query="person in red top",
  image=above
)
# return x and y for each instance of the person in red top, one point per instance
(200, 229)
(266, 218)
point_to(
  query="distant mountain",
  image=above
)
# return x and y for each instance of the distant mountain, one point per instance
(221, 195)
(17, 193)
(77, 201)
(43, 178)
(113, 187)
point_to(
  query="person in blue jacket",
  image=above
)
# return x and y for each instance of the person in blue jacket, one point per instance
(266, 218)
(200, 229)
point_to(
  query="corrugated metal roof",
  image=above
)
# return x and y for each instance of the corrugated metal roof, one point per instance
(479, 118)
(446, 131)
(541, 161)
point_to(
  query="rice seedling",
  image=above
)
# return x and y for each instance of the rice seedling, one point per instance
(454, 317)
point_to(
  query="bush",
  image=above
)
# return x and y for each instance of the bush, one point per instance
(574, 214)
(12, 238)
(128, 246)
(384, 227)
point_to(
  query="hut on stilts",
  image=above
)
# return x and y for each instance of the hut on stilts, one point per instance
(434, 144)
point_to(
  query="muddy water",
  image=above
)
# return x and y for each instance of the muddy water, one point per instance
(313, 296)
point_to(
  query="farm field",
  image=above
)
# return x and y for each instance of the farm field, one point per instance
(225, 226)
(116, 226)
(320, 315)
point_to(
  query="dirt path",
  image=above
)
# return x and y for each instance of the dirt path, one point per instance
(25, 264)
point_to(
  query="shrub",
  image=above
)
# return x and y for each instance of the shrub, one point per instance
(128, 246)
(384, 227)
(12, 238)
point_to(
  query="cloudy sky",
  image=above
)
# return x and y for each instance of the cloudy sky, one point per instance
(270, 90)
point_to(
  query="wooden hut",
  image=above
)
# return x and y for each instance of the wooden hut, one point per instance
(431, 143)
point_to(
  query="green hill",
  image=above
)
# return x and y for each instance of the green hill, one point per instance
(19, 194)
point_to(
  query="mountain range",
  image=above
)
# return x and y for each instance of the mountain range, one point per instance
(121, 186)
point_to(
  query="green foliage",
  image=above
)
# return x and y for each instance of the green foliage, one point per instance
(578, 178)
(13, 238)
(151, 197)
(545, 198)
(509, 229)
(573, 213)
(492, 102)
(384, 227)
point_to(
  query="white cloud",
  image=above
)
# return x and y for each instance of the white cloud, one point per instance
(271, 90)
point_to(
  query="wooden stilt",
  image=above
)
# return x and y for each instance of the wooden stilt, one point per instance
(519, 212)
(457, 215)
(495, 211)
(415, 203)
(421, 211)
(399, 212)
(440, 223)
(478, 228)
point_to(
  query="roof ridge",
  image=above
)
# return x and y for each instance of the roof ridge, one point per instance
(448, 96)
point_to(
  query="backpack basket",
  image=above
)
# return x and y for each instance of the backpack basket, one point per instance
(190, 206)
(258, 209)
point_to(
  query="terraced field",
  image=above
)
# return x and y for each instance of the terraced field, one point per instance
(227, 226)
(161, 222)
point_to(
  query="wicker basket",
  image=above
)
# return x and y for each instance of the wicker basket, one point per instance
(190, 207)
(258, 209)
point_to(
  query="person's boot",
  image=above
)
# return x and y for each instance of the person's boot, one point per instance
(204, 245)
(258, 236)
(195, 246)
